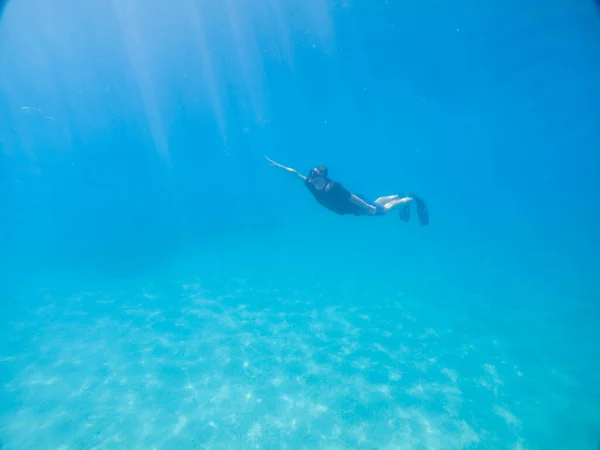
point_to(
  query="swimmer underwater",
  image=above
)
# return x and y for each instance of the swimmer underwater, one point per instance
(335, 197)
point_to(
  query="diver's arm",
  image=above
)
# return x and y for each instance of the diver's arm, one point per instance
(287, 169)
(360, 202)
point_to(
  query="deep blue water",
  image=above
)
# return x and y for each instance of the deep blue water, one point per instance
(163, 287)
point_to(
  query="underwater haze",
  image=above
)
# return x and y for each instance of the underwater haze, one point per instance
(163, 287)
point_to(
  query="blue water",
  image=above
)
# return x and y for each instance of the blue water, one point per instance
(163, 287)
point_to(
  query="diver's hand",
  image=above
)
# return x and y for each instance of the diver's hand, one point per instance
(272, 163)
(287, 169)
(372, 210)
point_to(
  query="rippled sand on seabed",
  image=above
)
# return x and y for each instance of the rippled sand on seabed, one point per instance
(208, 372)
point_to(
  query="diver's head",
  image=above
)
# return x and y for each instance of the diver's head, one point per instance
(318, 177)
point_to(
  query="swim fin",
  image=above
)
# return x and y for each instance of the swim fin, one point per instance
(405, 211)
(422, 211)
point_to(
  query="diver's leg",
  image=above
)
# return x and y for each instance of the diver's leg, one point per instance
(397, 202)
(385, 199)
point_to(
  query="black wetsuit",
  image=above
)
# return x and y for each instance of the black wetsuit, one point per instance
(336, 198)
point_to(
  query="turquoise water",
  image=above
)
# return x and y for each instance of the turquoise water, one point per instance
(162, 287)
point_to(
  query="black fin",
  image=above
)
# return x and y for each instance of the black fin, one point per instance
(422, 211)
(405, 213)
